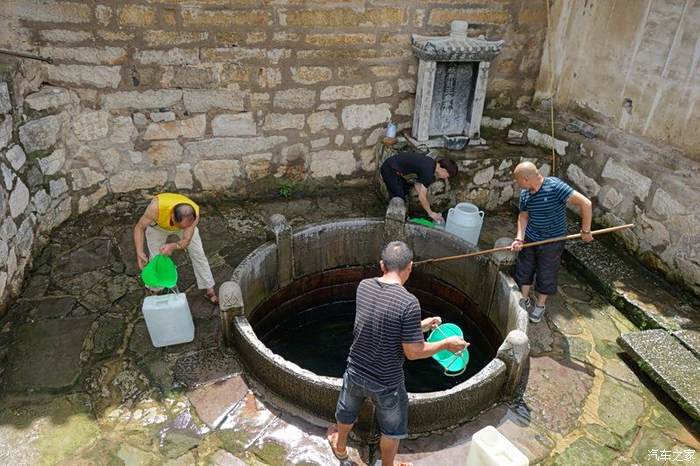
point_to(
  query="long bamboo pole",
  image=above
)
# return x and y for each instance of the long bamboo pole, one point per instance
(526, 245)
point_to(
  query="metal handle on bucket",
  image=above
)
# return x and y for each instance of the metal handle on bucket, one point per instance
(452, 359)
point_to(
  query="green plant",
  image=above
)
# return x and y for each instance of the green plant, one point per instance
(286, 188)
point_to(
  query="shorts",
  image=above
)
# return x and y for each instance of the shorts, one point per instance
(539, 264)
(391, 405)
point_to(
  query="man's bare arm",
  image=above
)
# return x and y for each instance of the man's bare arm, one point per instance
(187, 234)
(139, 232)
(422, 350)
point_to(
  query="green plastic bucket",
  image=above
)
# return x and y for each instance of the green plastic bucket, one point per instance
(453, 363)
(422, 221)
(160, 272)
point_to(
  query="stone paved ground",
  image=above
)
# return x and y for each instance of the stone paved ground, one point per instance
(83, 385)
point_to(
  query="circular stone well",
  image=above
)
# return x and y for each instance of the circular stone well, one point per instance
(301, 276)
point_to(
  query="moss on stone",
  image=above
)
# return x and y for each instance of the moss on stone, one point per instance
(78, 430)
(272, 453)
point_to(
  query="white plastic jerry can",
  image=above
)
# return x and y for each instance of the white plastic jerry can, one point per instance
(490, 448)
(168, 319)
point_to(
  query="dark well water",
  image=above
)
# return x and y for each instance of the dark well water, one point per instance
(314, 328)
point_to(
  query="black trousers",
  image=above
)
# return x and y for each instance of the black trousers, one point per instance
(395, 184)
(539, 264)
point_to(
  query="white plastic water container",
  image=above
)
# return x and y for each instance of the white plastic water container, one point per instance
(490, 448)
(465, 220)
(168, 319)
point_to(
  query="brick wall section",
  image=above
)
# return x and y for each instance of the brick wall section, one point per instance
(249, 88)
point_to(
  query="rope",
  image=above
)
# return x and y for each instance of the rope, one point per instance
(551, 95)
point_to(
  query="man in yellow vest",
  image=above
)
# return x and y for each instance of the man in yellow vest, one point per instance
(168, 214)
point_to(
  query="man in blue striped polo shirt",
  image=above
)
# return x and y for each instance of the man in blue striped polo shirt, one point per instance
(543, 216)
(388, 329)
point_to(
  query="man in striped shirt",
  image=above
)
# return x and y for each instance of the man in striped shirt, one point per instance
(388, 329)
(543, 216)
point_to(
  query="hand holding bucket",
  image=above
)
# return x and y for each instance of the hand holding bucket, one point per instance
(454, 363)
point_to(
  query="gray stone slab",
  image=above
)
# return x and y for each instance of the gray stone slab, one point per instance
(645, 298)
(669, 364)
(691, 339)
(46, 354)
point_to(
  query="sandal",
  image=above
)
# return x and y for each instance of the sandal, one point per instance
(332, 436)
(212, 297)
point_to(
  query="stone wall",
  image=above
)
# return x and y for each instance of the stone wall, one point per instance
(208, 96)
(634, 65)
(34, 193)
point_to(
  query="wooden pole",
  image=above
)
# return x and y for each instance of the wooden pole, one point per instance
(526, 245)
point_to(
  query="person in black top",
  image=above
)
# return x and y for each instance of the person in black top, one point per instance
(403, 167)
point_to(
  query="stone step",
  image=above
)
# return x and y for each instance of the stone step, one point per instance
(670, 364)
(643, 296)
(691, 339)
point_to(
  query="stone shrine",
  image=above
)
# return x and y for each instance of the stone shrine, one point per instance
(452, 77)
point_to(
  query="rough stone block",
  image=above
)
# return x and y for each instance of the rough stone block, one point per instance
(131, 180)
(41, 201)
(223, 147)
(48, 97)
(85, 75)
(57, 187)
(545, 140)
(496, 123)
(359, 91)
(164, 153)
(320, 121)
(136, 16)
(269, 77)
(365, 116)
(40, 134)
(183, 176)
(407, 85)
(89, 126)
(197, 101)
(170, 38)
(65, 36)
(217, 174)
(295, 98)
(196, 76)
(85, 177)
(675, 368)
(664, 204)
(635, 182)
(206, 19)
(49, 11)
(484, 175)
(240, 124)
(189, 129)
(142, 100)
(19, 199)
(16, 157)
(444, 16)
(344, 17)
(6, 131)
(337, 54)
(310, 74)
(86, 203)
(257, 166)
(8, 178)
(95, 55)
(587, 185)
(384, 71)
(280, 121)
(405, 107)
(158, 117)
(383, 89)
(332, 163)
(53, 163)
(103, 14)
(175, 56)
(5, 101)
(342, 40)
